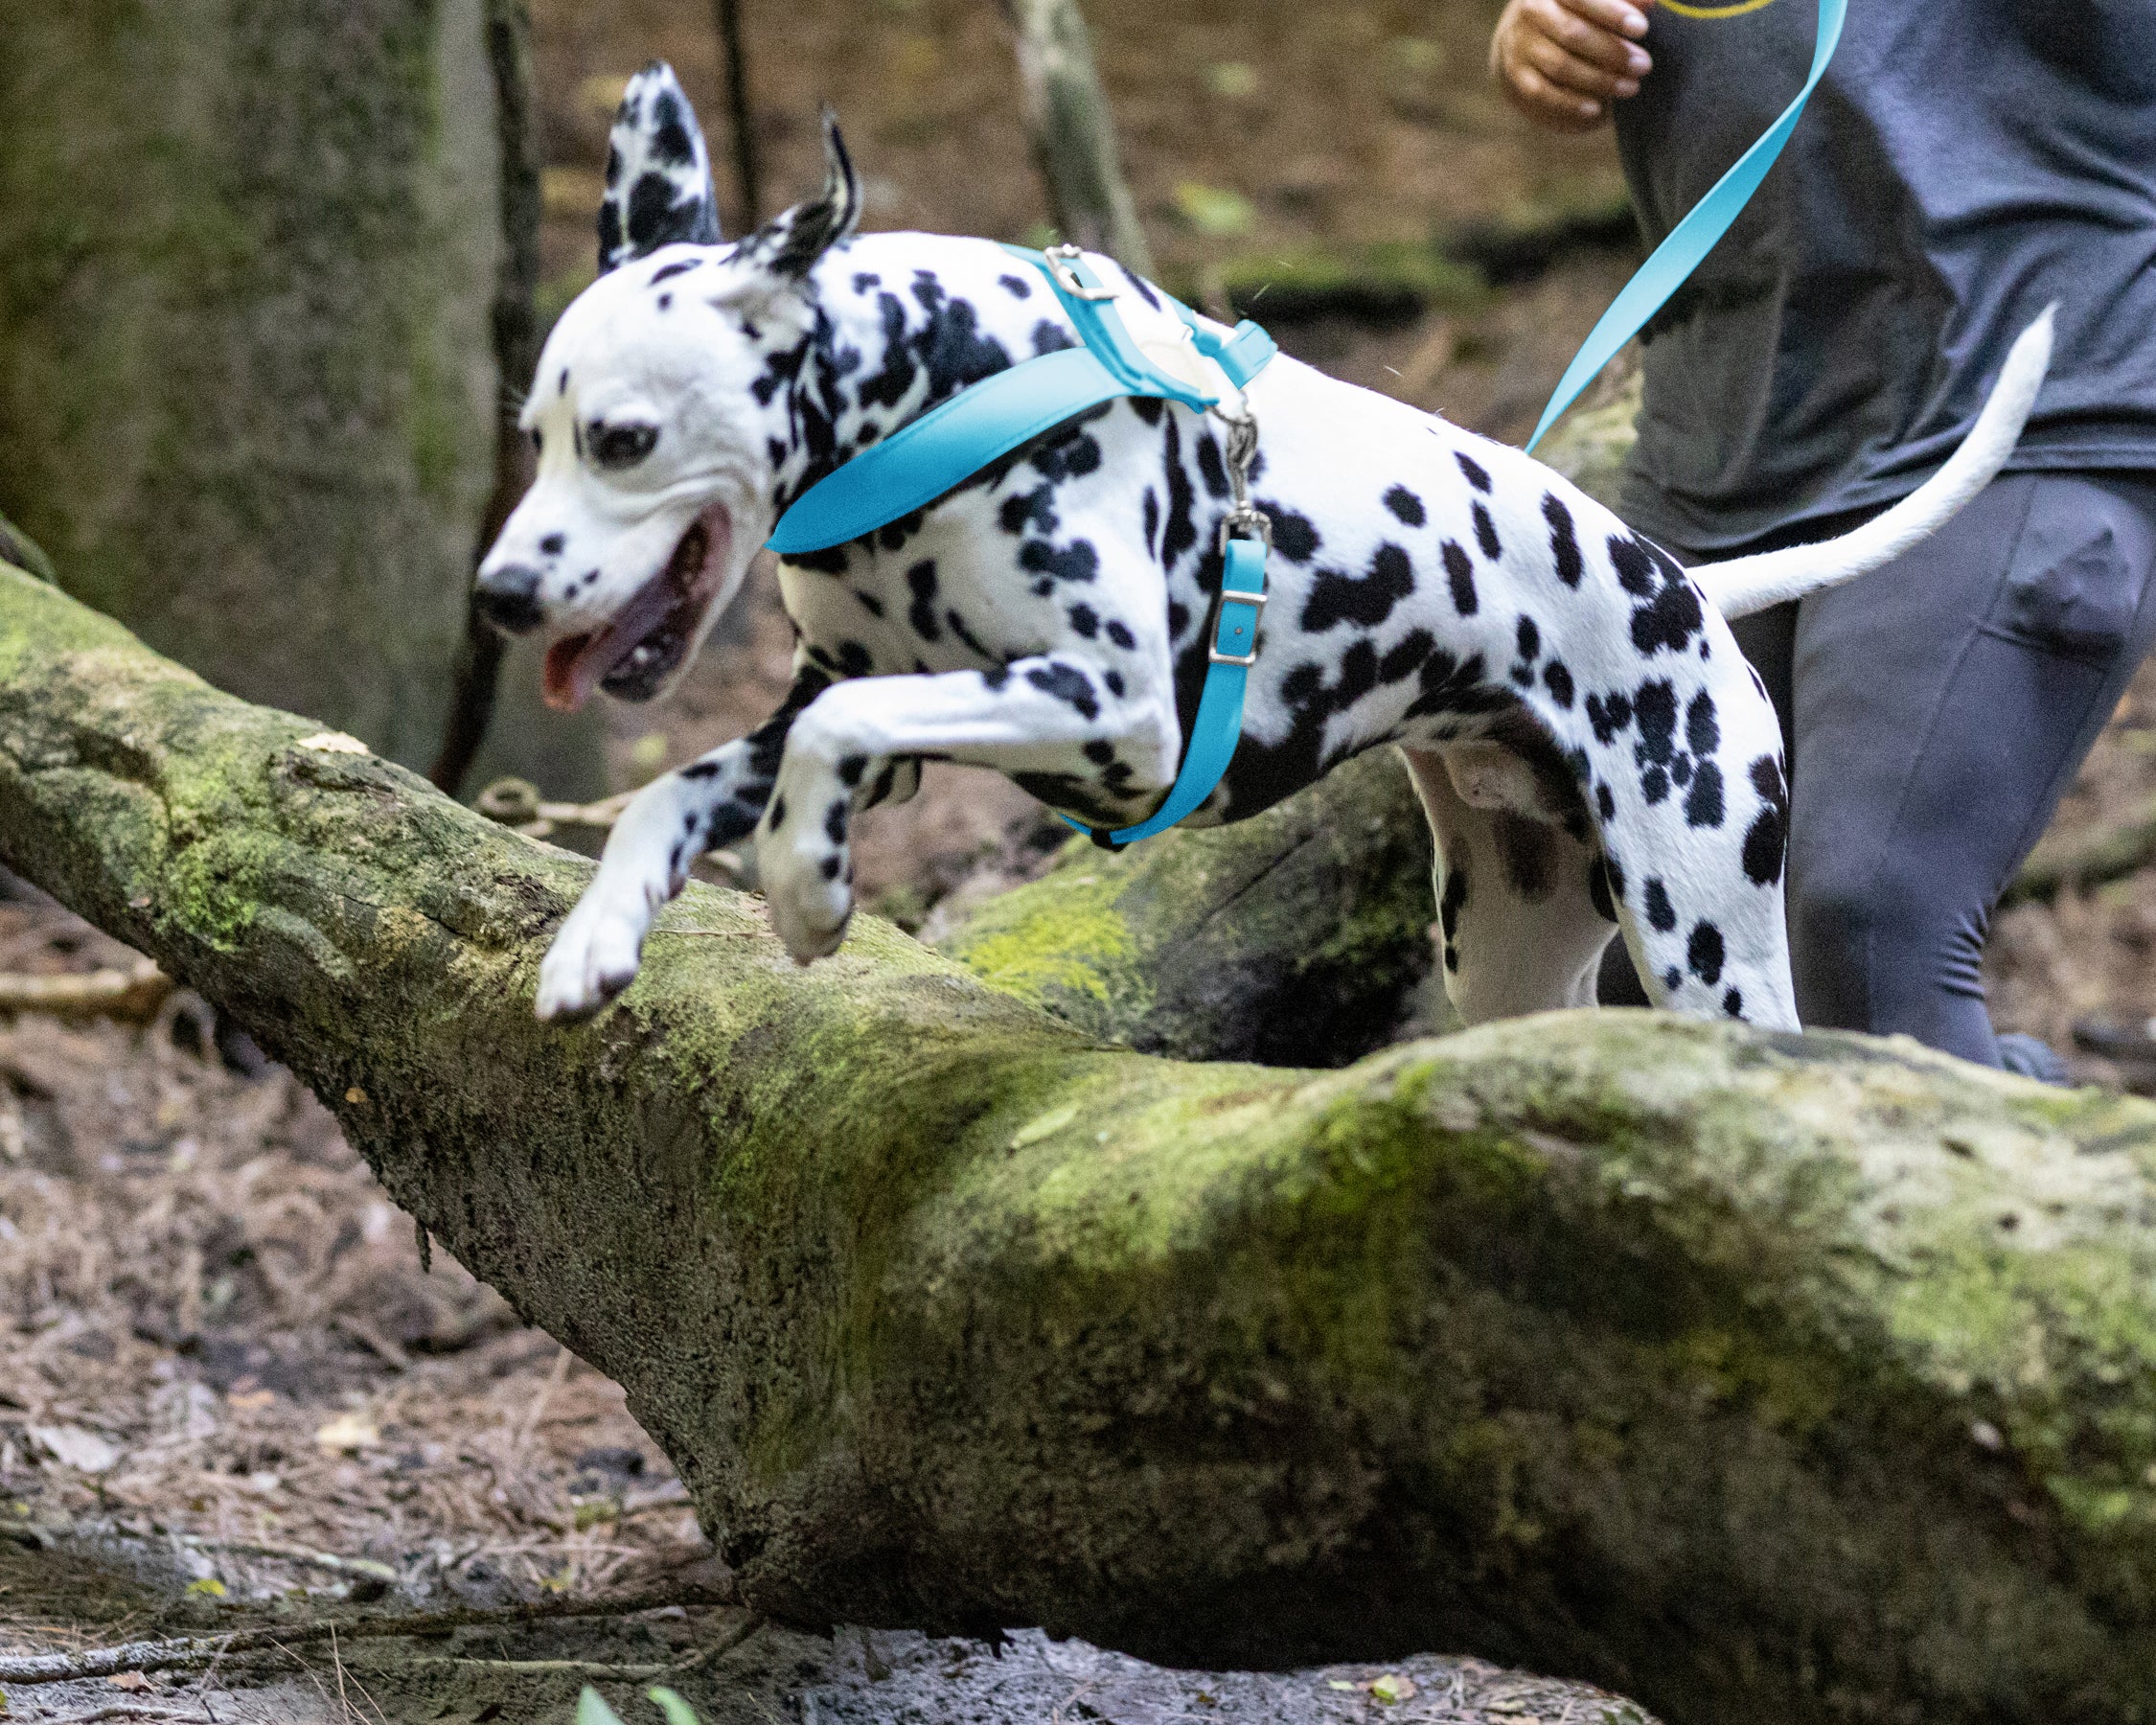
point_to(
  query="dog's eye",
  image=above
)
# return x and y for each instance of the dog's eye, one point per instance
(622, 446)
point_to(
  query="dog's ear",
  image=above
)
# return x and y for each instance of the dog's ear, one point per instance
(658, 173)
(789, 245)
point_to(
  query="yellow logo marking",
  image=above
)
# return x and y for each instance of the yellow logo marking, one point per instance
(1736, 9)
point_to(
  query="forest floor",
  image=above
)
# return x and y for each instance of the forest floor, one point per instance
(232, 1392)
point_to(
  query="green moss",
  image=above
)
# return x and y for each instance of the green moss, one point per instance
(1060, 943)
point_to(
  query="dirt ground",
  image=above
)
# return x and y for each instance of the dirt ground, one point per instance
(230, 1387)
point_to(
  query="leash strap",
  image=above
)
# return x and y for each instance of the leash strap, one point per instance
(921, 461)
(1690, 241)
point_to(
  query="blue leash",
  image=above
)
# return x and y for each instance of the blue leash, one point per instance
(1690, 241)
(920, 462)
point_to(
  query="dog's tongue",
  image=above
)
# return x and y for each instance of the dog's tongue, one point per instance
(577, 664)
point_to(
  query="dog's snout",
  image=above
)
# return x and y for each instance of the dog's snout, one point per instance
(508, 598)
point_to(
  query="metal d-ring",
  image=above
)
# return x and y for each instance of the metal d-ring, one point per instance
(1059, 259)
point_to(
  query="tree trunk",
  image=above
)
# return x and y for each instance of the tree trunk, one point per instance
(1073, 131)
(247, 262)
(1761, 1377)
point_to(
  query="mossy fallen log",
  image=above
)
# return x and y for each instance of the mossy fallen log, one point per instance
(1761, 1378)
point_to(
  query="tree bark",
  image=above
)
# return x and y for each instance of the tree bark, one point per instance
(1073, 131)
(248, 260)
(1760, 1377)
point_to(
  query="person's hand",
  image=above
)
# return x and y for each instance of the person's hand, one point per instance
(1562, 62)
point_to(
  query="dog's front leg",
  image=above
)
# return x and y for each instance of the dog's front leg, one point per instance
(673, 821)
(1035, 713)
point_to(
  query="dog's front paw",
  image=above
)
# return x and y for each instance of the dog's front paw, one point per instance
(592, 959)
(811, 901)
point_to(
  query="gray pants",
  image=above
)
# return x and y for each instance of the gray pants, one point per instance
(1933, 713)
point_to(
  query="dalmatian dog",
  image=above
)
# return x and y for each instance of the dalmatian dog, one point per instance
(1593, 753)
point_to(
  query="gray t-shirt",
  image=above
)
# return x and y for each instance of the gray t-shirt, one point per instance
(1962, 163)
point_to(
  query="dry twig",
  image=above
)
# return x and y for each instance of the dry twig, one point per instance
(133, 994)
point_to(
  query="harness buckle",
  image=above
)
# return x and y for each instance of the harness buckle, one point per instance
(1256, 603)
(1059, 259)
(1246, 520)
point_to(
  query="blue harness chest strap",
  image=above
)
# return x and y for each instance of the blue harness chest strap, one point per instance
(926, 459)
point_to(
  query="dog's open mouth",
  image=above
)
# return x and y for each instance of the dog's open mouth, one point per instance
(634, 655)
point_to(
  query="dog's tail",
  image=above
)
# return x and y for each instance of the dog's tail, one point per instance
(1745, 585)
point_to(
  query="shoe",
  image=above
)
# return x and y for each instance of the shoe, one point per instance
(2028, 1057)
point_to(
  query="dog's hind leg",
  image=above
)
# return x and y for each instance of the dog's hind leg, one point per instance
(1522, 909)
(671, 822)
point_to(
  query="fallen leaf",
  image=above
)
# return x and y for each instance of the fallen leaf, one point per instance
(1333, 1683)
(248, 1400)
(333, 743)
(133, 1682)
(1392, 1688)
(71, 1447)
(209, 1587)
(350, 1433)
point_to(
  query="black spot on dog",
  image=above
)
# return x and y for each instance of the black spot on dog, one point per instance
(1766, 840)
(921, 579)
(666, 302)
(1608, 715)
(1672, 978)
(855, 660)
(870, 604)
(1051, 338)
(835, 822)
(1406, 506)
(864, 280)
(1179, 619)
(1337, 597)
(851, 770)
(1120, 634)
(1114, 681)
(1067, 684)
(1558, 680)
(1211, 468)
(1485, 533)
(1182, 531)
(1077, 561)
(1152, 519)
(1472, 469)
(1564, 547)
(1529, 639)
(667, 273)
(1148, 408)
(1662, 915)
(830, 867)
(995, 676)
(1634, 568)
(554, 544)
(1703, 802)
(1524, 848)
(1704, 952)
(1017, 286)
(1605, 801)
(1405, 657)
(778, 812)
(651, 211)
(1732, 1003)
(1138, 286)
(671, 142)
(1449, 908)
(1100, 752)
(1460, 572)
(1068, 453)
(1703, 734)
(1670, 621)
(1084, 620)
(1294, 535)
(1029, 512)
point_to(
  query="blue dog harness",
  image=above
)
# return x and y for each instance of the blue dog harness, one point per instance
(921, 461)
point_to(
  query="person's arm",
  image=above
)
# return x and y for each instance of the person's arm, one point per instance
(1562, 62)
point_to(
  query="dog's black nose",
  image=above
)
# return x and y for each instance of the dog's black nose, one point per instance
(508, 598)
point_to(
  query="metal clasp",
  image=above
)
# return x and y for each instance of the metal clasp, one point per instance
(1059, 259)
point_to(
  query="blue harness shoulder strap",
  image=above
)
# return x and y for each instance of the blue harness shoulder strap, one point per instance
(944, 447)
